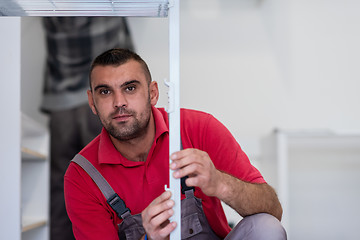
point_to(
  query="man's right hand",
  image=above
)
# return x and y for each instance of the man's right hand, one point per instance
(156, 216)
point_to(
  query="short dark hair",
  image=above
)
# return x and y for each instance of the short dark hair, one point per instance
(116, 57)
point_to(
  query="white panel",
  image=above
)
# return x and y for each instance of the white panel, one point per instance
(318, 176)
(10, 129)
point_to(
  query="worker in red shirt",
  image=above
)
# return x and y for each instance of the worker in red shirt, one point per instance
(132, 152)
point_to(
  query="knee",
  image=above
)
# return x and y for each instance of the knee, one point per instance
(261, 226)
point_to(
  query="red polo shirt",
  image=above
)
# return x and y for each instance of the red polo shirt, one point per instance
(138, 183)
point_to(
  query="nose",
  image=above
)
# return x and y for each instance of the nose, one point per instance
(119, 100)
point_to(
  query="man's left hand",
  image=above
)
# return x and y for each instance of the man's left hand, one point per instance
(198, 166)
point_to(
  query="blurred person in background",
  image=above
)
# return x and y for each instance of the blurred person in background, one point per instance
(72, 43)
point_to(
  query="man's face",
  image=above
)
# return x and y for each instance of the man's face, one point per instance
(122, 99)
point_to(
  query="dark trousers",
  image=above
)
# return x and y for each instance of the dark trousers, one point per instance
(70, 131)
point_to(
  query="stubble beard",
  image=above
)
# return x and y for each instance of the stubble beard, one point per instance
(125, 131)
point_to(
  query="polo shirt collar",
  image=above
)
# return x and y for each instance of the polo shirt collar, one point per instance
(161, 122)
(108, 154)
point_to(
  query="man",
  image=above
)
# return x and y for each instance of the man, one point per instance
(132, 154)
(72, 43)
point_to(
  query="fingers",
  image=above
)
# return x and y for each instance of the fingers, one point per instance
(184, 153)
(162, 198)
(190, 162)
(158, 206)
(165, 231)
(199, 167)
(186, 157)
(155, 217)
(160, 213)
(190, 170)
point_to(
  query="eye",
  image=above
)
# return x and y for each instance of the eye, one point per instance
(130, 88)
(104, 91)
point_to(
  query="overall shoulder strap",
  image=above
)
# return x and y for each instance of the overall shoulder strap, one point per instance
(112, 198)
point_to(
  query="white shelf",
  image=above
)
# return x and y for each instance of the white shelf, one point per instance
(29, 223)
(34, 139)
(28, 154)
(34, 179)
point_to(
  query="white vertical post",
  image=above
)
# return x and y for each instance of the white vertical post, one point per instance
(283, 179)
(10, 158)
(174, 108)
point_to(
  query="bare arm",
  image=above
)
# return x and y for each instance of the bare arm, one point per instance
(245, 198)
(248, 198)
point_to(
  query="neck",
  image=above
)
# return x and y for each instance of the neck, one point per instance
(137, 149)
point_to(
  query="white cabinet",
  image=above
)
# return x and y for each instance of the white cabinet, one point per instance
(34, 180)
(317, 176)
(24, 162)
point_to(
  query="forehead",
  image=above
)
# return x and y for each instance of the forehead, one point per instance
(112, 74)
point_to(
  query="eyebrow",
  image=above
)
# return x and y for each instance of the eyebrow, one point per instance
(129, 82)
(101, 86)
(122, 85)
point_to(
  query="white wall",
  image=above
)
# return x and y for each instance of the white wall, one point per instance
(260, 65)
(320, 88)
(256, 65)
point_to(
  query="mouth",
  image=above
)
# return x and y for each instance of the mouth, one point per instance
(122, 117)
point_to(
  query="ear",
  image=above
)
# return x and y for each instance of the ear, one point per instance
(91, 101)
(154, 93)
